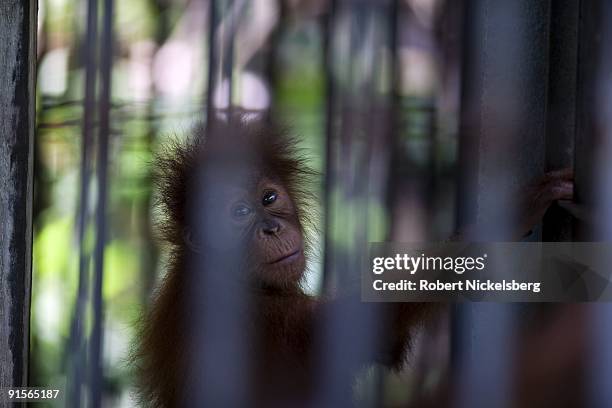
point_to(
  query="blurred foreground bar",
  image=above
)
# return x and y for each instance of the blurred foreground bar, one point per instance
(596, 173)
(17, 101)
(219, 371)
(359, 52)
(502, 145)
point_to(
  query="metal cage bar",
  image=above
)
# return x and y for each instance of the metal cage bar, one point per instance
(17, 116)
(77, 337)
(97, 334)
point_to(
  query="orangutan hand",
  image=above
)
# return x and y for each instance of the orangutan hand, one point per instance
(534, 200)
(538, 197)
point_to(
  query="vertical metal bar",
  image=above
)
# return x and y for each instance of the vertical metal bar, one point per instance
(601, 363)
(592, 154)
(485, 373)
(467, 179)
(587, 129)
(329, 141)
(272, 68)
(222, 35)
(212, 58)
(356, 140)
(97, 335)
(17, 116)
(561, 114)
(503, 117)
(76, 341)
(431, 189)
(334, 363)
(217, 374)
(227, 67)
(395, 113)
(394, 17)
(596, 169)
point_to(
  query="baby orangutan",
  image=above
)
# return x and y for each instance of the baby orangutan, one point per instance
(255, 209)
(264, 202)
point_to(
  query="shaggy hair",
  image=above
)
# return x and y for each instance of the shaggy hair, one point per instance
(284, 319)
(159, 357)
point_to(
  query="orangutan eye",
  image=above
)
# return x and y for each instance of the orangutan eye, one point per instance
(241, 210)
(269, 197)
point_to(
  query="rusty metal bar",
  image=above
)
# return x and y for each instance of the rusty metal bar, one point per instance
(17, 116)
